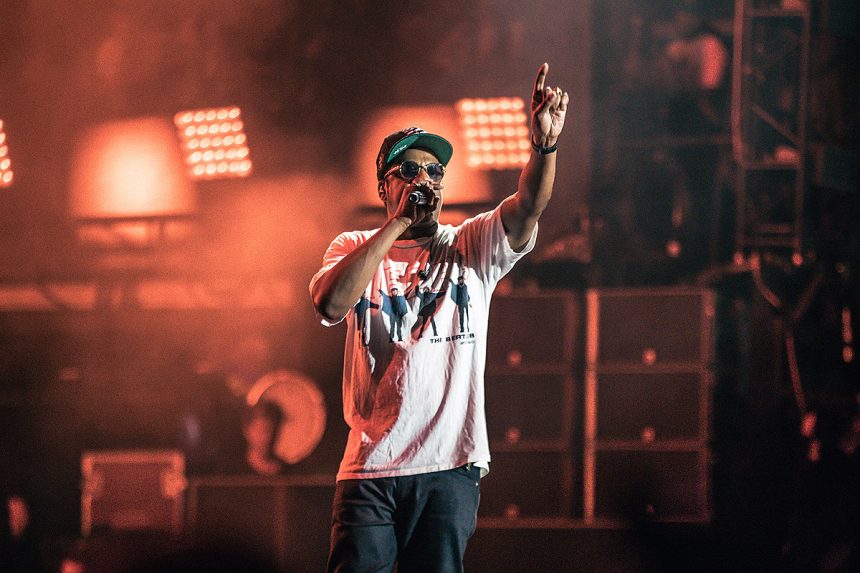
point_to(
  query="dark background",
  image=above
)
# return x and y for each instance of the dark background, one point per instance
(645, 160)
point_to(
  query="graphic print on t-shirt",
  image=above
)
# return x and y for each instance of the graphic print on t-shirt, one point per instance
(361, 308)
(424, 293)
(427, 310)
(419, 313)
(394, 305)
(460, 295)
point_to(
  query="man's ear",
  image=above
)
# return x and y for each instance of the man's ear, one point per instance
(381, 190)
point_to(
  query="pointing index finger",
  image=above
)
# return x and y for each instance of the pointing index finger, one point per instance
(539, 82)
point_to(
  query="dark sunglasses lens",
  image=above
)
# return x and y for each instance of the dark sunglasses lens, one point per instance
(436, 171)
(409, 169)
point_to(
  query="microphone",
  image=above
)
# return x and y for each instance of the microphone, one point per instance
(421, 195)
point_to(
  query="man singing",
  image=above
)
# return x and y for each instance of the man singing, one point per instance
(408, 485)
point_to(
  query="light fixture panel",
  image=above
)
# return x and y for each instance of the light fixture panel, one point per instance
(214, 143)
(495, 131)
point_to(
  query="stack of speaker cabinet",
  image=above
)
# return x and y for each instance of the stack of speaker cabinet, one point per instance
(647, 404)
(530, 406)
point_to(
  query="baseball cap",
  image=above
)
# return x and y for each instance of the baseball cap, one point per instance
(411, 137)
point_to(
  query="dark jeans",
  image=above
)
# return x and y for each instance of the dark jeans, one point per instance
(422, 522)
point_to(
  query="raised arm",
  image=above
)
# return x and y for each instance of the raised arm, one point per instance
(521, 211)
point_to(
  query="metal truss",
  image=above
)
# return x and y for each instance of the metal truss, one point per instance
(148, 294)
(769, 111)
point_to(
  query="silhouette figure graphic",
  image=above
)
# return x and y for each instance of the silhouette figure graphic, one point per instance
(395, 307)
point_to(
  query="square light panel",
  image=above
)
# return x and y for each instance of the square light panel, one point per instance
(214, 143)
(495, 131)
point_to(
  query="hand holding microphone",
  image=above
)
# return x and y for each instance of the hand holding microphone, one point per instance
(419, 202)
(421, 194)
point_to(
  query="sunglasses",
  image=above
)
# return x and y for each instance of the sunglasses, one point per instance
(409, 170)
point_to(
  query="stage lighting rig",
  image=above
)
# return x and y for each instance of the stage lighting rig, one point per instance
(495, 131)
(214, 143)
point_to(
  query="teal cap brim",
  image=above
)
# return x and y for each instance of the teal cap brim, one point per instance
(438, 146)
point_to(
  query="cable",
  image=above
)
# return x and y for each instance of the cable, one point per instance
(794, 372)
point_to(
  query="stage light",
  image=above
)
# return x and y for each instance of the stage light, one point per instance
(214, 142)
(495, 131)
(130, 169)
(7, 176)
(128, 184)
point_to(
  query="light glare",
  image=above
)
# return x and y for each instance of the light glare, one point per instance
(212, 137)
(495, 132)
(6, 175)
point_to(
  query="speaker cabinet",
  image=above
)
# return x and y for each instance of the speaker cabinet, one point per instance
(281, 520)
(527, 484)
(532, 330)
(649, 326)
(648, 390)
(529, 409)
(132, 490)
(649, 406)
(666, 485)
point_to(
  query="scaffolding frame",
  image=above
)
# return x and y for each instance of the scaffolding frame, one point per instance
(770, 91)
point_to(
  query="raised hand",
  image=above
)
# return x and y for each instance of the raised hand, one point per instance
(549, 106)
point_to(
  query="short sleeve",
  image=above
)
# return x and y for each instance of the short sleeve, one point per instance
(487, 244)
(340, 247)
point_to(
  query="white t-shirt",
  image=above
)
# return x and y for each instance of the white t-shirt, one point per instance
(413, 376)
